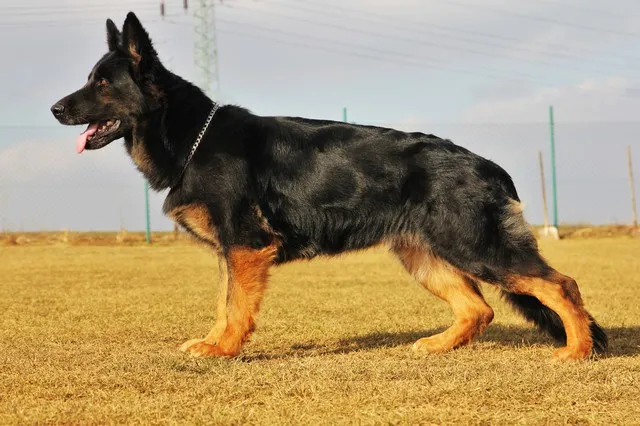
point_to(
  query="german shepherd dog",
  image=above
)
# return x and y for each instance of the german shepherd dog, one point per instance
(262, 191)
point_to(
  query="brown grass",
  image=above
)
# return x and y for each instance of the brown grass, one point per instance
(89, 334)
(123, 237)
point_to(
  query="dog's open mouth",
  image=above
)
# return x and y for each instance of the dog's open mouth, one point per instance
(96, 135)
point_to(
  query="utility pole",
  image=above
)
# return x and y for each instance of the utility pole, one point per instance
(553, 167)
(547, 230)
(3, 202)
(148, 216)
(634, 212)
(544, 192)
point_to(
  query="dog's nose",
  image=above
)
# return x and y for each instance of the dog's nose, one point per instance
(57, 109)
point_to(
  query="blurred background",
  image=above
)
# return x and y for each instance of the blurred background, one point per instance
(482, 73)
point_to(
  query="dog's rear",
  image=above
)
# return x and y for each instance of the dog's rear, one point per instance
(474, 231)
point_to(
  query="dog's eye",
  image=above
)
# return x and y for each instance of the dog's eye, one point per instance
(103, 82)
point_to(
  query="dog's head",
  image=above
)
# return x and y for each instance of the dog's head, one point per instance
(118, 89)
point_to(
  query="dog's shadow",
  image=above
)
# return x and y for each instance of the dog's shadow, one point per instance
(623, 342)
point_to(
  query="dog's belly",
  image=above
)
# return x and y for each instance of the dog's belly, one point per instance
(322, 232)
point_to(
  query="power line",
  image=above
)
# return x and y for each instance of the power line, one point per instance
(541, 19)
(41, 14)
(373, 53)
(40, 9)
(65, 23)
(455, 36)
(457, 30)
(56, 23)
(370, 53)
(366, 56)
(29, 11)
(408, 59)
(585, 9)
(399, 61)
(413, 41)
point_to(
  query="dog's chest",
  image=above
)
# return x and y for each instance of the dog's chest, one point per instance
(141, 158)
(196, 219)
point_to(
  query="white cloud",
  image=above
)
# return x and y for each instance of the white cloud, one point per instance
(589, 101)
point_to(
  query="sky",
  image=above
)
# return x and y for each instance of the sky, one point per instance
(482, 73)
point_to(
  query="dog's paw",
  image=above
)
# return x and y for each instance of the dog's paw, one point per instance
(435, 344)
(202, 348)
(186, 345)
(571, 354)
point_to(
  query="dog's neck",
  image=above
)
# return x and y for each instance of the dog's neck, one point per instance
(161, 142)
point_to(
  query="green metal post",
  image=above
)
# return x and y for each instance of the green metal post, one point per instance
(344, 114)
(553, 168)
(146, 203)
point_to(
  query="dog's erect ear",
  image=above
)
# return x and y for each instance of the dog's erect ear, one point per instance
(137, 43)
(114, 37)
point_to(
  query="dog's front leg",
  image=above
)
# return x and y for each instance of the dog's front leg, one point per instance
(244, 273)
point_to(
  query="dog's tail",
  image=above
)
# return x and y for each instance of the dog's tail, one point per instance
(548, 321)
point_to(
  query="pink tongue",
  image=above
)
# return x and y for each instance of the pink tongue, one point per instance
(81, 142)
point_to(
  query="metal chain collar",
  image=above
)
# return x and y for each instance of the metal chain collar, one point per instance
(201, 135)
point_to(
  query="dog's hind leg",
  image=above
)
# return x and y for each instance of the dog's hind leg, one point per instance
(560, 303)
(472, 312)
(244, 274)
(508, 256)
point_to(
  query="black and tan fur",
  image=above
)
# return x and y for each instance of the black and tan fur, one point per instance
(261, 191)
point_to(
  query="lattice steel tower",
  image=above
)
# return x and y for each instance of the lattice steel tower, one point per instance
(206, 47)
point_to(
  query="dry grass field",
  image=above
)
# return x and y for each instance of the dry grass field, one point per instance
(89, 334)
